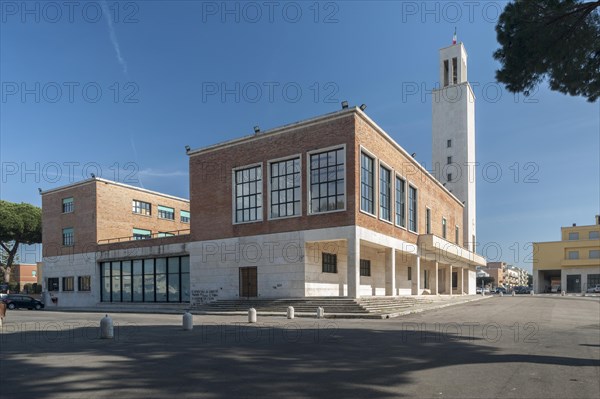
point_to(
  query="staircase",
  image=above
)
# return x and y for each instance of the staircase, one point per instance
(364, 305)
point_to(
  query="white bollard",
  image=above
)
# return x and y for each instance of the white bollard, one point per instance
(251, 315)
(290, 312)
(106, 328)
(562, 293)
(531, 292)
(320, 313)
(513, 293)
(501, 294)
(188, 321)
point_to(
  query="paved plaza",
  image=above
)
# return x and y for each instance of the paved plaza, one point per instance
(503, 347)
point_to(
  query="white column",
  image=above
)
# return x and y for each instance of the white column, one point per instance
(462, 280)
(450, 279)
(353, 266)
(416, 277)
(390, 272)
(435, 286)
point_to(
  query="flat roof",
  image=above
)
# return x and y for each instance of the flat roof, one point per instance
(106, 181)
(316, 120)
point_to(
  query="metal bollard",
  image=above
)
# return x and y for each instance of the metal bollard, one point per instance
(562, 293)
(106, 328)
(290, 312)
(320, 313)
(513, 293)
(188, 321)
(251, 315)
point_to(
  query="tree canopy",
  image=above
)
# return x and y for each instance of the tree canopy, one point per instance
(19, 224)
(554, 39)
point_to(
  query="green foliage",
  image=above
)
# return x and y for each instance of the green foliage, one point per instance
(19, 224)
(554, 39)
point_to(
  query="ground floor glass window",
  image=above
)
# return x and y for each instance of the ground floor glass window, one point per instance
(146, 280)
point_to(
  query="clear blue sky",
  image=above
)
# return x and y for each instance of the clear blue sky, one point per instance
(158, 65)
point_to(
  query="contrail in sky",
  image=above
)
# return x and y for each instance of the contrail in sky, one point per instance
(113, 35)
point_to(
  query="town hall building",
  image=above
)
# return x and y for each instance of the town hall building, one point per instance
(330, 206)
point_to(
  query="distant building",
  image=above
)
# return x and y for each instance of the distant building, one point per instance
(24, 273)
(506, 275)
(571, 264)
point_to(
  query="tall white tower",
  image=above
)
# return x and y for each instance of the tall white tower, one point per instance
(453, 147)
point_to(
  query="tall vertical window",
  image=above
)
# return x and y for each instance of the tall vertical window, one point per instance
(385, 194)
(285, 188)
(165, 212)
(248, 194)
(456, 235)
(329, 263)
(141, 234)
(184, 216)
(449, 143)
(400, 202)
(141, 207)
(68, 283)
(444, 228)
(409, 273)
(449, 160)
(449, 177)
(365, 267)
(327, 180)
(446, 73)
(427, 221)
(68, 237)
(454, 70)
(412, 209)
(367, 183)
(67, 205)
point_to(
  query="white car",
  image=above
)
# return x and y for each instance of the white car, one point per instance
(594, 288)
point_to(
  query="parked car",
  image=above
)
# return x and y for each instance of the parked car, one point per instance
(478, 290)
(594, 288)
(16, 301)
(500, 290)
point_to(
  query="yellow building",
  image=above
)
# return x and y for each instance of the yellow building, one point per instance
(571, 264)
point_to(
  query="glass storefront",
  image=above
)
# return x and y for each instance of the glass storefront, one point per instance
(146, 280)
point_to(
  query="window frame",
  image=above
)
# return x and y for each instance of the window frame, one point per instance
(140, 236)
(576, 252)
(365, 268)
(71, 243)
(325, 255)
(68, 284)
(309, 154)
(448, 143)
(444, 228)
(71, 207)
(427, 220)
(416, 210)
(53, 288)
(84, 283)
(391, 191)
(134, 208)
(269, 186)
(181, 217)
(575, 234)
(404, 203)
(159, 211)
(596, 251)
(260, 215)
(593, 235)
(374, 188)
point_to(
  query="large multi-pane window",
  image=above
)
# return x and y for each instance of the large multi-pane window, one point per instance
(165, 212)
(285, 188)
(400, 202)
(68, 237)
(367, 183)
(141, 234)
(146, 280)
(141, 207)
(385, 193)
(573, 236)
(594, 254)
(67, 205)
(327, 180)
(53, 284)
(329, 263)
(184, 216)
(593, 235)
(412, 209)
(573, 254)
(248, 194)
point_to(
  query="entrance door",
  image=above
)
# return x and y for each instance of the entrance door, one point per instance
(574, 283)
(248, 282)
